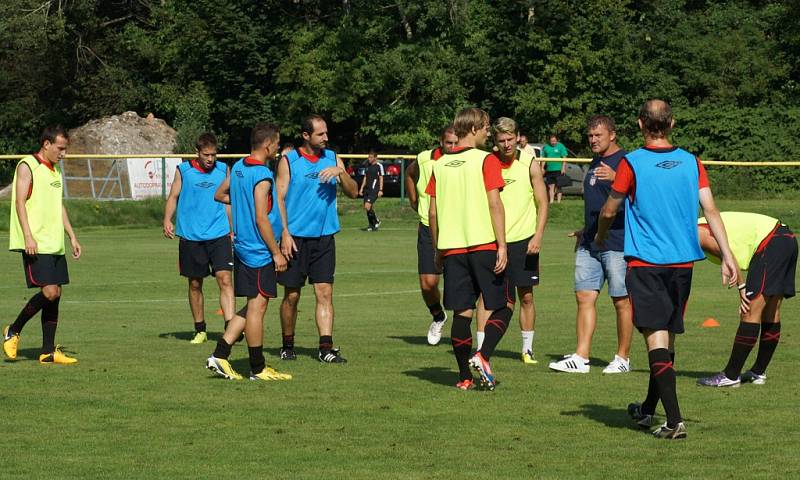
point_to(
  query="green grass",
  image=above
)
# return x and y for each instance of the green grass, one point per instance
(140, 405)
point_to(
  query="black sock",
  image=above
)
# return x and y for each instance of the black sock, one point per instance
(437, 311)
(495, 328)
(49, 325)
(223, 349)
(36, 303)
(325, 342)
(662, 369)
(200, 326)
(746, 337)
(372, 218)
(651, 401)
(288, 341)
(257, 361)
(770, 336)
(461, 339)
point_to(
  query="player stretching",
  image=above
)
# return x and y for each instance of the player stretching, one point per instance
(524, 229)
(37, 226)
(767, 249)
(204, 230)
(661, 186)
(256, 254)
(418, 174)
(467, 225)
(306, 187)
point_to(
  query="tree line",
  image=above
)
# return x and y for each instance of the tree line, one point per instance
(390, 73)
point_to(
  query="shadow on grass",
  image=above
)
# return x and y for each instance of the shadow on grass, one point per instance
(33, 353)
(275, 353)
(608, 416)
(436, 375)
(187, 335)
(416, 340)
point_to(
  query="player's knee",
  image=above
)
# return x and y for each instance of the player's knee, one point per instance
(51, 292)
(224, 281)
(585, 297)
(196, 284)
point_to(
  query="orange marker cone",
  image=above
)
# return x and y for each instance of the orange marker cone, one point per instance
(710, 323)
(219, 312)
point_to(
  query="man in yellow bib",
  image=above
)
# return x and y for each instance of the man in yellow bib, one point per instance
(525, 223)
(467, 225)
(37, 226)
(767, 249)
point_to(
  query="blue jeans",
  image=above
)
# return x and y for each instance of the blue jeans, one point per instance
(592, 269)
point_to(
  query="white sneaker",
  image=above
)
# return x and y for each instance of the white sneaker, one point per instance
(754, 378)
(435, 331)
(571, 364)
(618, 365)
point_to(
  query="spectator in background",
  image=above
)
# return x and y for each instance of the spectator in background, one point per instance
(522, 144)
(552, 170)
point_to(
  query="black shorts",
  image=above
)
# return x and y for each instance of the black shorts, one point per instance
(551, 177)
(772, 268)
(370, 196)
(198, 259)
(426, 265)
(659, 296)
(45, 269)
(314, 259)
(469, 275)
(522, 269)
(252, 282)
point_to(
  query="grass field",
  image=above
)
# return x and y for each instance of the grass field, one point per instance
(140, 404)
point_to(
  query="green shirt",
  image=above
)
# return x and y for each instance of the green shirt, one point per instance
(549, 151)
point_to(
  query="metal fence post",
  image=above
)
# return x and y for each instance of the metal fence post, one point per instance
(163, 178)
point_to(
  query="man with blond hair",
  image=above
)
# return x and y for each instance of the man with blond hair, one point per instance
(525, 203)
(468, 229)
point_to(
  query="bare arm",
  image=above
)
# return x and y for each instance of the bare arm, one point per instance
(73, 240)
(265, 227)
(730, 269)
(542, 206)
(363, 183)
(380, 182)
(172, 204)
(288, 246)
(412, 177)
(607, 215)
(498, 215)
(223, 193)
(23, 186)
(349, 186)
(433, 224)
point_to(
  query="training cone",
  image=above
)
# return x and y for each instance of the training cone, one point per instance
(219, 312)
(710, 323)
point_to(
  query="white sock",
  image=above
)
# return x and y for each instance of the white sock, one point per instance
(527, 340)
(480, 336)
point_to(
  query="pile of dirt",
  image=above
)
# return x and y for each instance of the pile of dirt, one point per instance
(127, 133)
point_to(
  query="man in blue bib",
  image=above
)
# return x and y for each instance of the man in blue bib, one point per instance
(306, 187)
(204, 230)
(661, 186)
(257, 256)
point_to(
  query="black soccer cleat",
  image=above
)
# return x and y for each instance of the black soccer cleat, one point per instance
(288, 354)
(331, 356)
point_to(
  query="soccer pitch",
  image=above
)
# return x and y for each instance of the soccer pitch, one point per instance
(140, 404)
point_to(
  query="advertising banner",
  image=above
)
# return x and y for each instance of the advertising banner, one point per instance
(145, 176)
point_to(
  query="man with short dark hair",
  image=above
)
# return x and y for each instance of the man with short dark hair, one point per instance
(553, 169)
(306, 187)
(204, 230)
(595, 265)
(661, 186)
(257, 257)
(418, 175)
(467, 223)
(372, 189)
(36, 230)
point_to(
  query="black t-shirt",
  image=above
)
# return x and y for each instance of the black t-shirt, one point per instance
(595, 193)
(372, 172)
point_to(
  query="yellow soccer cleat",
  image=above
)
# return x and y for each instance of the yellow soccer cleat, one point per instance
(528, 358)
(10, 343)
(269, 374)
(199, 337)
(57, 356)
(222, 368)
